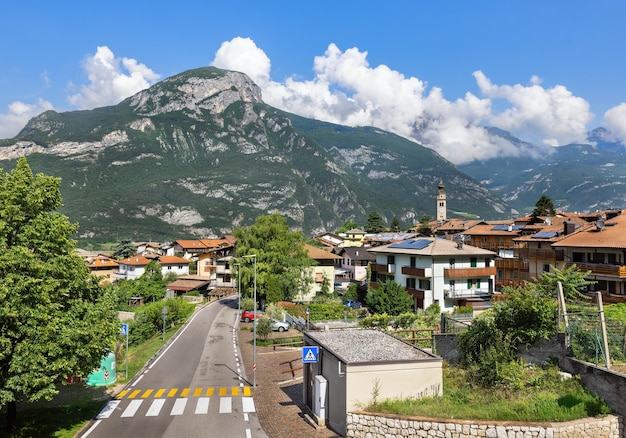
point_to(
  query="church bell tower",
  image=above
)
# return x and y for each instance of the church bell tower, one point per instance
(441, 202)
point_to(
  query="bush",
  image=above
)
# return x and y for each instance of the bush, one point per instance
(263, 328)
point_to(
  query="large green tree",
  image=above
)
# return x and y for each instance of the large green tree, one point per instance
(55, 321)
(543, 207)
(279, 253)
(374, 223)
(390, 298)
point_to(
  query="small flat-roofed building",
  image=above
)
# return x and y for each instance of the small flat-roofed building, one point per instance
(360, 364)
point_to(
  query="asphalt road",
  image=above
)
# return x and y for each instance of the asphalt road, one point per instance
(195, 387)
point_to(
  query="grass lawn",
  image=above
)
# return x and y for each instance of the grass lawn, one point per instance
(542, 398)
(76, 404)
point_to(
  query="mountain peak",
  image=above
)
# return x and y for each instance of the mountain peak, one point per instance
(195, 92)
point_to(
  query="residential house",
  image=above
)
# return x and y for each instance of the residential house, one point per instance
(329, 240)
(451, 227)
(352, 263)
(437, 271)
(102, 266)
(600, 249)
(534, 249)
(353, 237)
(322, 271)
(144, 248)
(134, 267)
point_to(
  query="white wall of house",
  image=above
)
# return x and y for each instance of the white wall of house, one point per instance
(317, 273)
(178, 269)
(129, 272)
(437, 287)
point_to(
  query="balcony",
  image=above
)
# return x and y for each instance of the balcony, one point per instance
(469, 272)
(417, 272)
(601, 269)
(388, 269)
(416, 293)
(459, 294)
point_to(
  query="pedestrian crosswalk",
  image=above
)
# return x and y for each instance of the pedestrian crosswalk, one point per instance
(175, 402)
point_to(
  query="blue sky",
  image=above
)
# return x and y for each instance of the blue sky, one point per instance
(548, 71)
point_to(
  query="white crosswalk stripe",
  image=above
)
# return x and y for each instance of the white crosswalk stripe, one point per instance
(173, 407)
(155, 407)
(226, 405)
(179, 406)
(202, 407)
(132, 408)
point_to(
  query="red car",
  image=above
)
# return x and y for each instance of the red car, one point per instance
(249, 315)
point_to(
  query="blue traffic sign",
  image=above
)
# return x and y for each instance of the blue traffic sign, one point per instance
(310, 354)
(124, 329)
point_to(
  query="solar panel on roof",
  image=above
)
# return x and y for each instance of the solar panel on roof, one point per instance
(544, 235)
(412, 244)
(506, 227)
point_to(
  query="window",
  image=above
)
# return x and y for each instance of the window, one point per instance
(469, 283)
(546, 267)
(424, 284)
(452, 285)
(412, 262)
(578, 257)
(487, 262)
(452, 263)
(473, 262)
(391, 260)
(478, 283)
(410, 283)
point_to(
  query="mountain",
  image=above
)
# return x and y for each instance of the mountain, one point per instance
(576, 177)
(200, 153)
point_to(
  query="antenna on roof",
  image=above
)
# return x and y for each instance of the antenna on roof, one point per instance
(600, 224)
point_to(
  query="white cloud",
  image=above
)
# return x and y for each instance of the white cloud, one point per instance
(552, 116)
(19, 114)
(111, 80)
(242, 54)
(615, 121)
(345, 89)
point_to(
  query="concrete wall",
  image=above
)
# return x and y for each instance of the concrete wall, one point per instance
(607, 384)
(369, 425)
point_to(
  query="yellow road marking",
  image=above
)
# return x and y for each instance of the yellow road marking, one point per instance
(134, 393)
(246, 391)
(197, 392)
(210, 391)
(223, 392)
(235, 391)
(184, 392)
(123, 393)
(159, 393)
(172, 392)
(147, 393)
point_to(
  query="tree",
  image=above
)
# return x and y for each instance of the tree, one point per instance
(572, 280)
(263, 327)
(349, 225)
(55, 321)
(390, 298)
(395, 225)
(124, 250)
(279, 252)
(425, 229)
(543, 207)
(374, 223)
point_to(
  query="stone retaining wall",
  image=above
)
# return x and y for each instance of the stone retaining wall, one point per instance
(371, 425)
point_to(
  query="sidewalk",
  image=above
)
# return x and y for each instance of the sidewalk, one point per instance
(278, 397)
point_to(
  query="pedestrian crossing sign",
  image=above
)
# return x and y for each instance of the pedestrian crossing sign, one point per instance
(310, 354)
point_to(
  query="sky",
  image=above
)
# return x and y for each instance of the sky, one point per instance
(436, 72)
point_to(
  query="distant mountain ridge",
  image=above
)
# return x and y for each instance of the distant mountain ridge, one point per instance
(200, 153)
(577, 177)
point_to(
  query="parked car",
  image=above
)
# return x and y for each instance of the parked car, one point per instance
(353, 304)
(249, 315)
(280, 326)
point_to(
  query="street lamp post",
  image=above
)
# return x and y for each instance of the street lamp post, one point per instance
(254, 326)
(164, 315)
(238, 285)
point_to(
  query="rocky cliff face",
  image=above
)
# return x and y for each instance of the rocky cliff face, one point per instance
(200, 153)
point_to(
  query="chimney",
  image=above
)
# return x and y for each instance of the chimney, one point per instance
(568, 227)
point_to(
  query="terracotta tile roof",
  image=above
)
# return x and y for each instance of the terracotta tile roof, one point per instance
(612, 235)
(101, 261)
(320, 254)
(136, 260)
(494, 229)
(191, 244)
(457, 225)
(172, 260)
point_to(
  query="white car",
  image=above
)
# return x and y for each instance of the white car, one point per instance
(280, 326)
